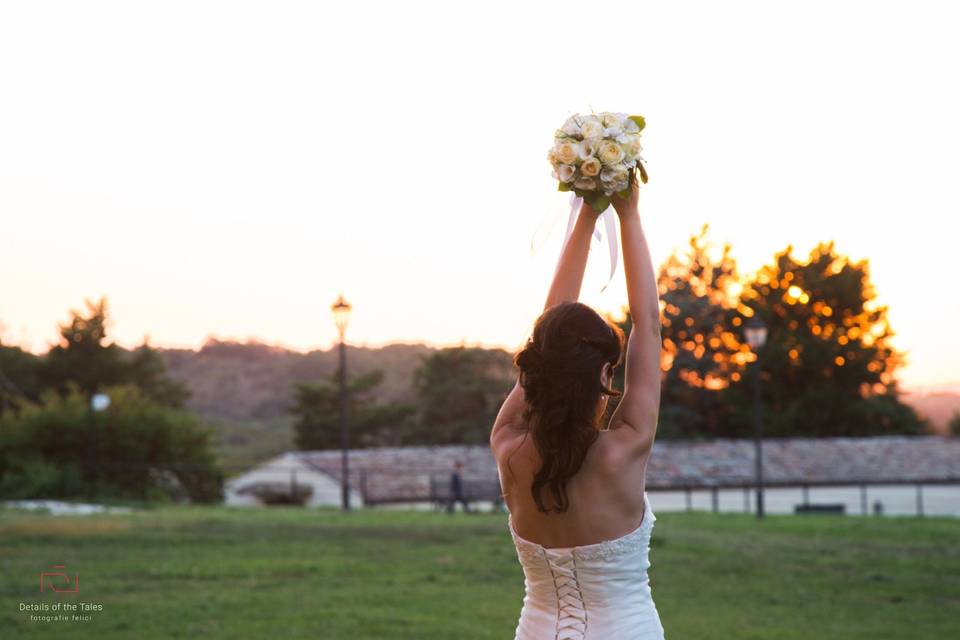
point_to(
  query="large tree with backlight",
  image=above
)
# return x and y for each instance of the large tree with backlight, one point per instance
(700, 352)
(827, 368)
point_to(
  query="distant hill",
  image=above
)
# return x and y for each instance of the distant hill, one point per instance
(938, 406)
(244, 389)
(252, 381)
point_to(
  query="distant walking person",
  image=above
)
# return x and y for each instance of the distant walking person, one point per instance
(456, 489)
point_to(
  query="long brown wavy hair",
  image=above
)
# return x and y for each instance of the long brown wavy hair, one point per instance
(560, 367)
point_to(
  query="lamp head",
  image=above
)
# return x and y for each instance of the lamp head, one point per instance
(99, 401)
(756, 332)
(341, 314)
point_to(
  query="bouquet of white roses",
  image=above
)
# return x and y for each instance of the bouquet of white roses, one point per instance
(595, 156)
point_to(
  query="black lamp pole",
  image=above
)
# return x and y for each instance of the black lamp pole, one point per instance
(98, 403)
(758, 437)
(341, 315)
(756, 333)
(92, 450)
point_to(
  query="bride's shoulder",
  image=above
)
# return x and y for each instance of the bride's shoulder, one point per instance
(507, 440)
(620, 444)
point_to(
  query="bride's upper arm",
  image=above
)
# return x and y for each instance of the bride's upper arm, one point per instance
(511, 411)
(635, 421)
(639, 407)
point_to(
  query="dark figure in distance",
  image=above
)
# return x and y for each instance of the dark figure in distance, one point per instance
(456, 489)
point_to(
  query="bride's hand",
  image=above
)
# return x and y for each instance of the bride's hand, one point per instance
(628, 205)
(587, 210)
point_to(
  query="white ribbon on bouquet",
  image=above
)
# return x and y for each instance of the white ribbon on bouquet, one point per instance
(609, 218)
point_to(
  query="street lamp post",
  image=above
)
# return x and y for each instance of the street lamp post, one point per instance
(756, 334)
(98, 402)
(341, 316)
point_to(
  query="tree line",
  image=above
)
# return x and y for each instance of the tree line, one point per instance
(827, 368)
(54, 443)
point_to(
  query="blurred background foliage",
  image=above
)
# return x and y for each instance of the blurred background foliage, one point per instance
(182, 419)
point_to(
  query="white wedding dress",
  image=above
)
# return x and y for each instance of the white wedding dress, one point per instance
(591, 592)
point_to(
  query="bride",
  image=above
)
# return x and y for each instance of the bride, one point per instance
(579, 513)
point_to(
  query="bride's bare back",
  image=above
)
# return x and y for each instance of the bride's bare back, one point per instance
(606, 495)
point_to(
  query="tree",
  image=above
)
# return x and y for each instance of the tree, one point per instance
(460, 390)
(828, 366)
(317, 411)
(953, 426)
(141, 450)
(84, 357)
(147, 370)
(700, 354)
(19, 376)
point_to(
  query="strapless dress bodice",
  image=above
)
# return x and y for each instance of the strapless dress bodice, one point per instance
(589, 592)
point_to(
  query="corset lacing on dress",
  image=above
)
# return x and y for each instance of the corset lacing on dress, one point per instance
(571, 611)
(598, 591)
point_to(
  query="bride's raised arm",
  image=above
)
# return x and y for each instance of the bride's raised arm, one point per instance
(639, 407)
(567, 280)
(568, 277)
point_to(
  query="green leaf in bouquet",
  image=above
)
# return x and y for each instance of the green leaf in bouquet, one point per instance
(639, 120)
(625, 193)
(643, 173)
(599, 202)
(563, 186)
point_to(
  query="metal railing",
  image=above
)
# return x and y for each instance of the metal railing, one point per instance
(392, 485)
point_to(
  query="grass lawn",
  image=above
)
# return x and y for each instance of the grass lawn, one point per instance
(189, 572)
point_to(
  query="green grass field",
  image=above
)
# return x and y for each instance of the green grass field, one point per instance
(189, 572)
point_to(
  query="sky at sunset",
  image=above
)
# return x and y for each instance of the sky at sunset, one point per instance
(227, 168)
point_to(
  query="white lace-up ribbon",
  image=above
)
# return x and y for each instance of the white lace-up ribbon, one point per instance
(609, 218)
(571, 610)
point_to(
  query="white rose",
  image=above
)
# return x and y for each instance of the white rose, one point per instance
(613, 173)
(610, 152)
(590, 167)
(631, 145)
(609, 119)
(591, 127)
(613, 132)
(565, 172)
(630, 126)
(572, 126)
(588, 149)
(567, 151)
(590, 184)
(552, 156)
